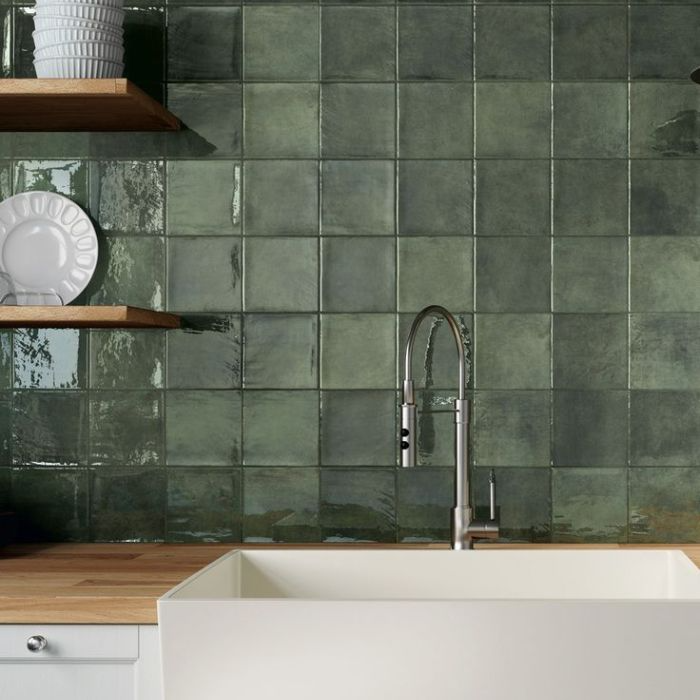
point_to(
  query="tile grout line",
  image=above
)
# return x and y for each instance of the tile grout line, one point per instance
(551, 272)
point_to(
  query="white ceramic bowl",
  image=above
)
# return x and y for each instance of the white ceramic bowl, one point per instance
(77, 67)
(91, 49)
(53, 22)
(47, 37)
(105, 3)
(95, 13)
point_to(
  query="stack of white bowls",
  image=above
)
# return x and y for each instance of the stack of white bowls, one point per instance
(78, 39)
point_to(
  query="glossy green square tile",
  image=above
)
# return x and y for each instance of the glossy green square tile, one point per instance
(51, 504)
(664, 504)
(280, 428)
(589, 505)
(6, 42)
(512, 274)
(19, 32)
(512, 42)
(122, 144)
(590, 274)
(358, 198)
(204, 43)
(204, 505)
(662, 119)
(660, 38)
(126, 428)
(196, 187)
(590, 198)
(204, 274)
(7, 419)
(49, 145)
(358, 43)
(358, 351)
(358, 505)
(512, 198)
(424, 500)
(433, 363)
(281, 274)
(281, 351)
(435, 270)
(523, 497)
(435, 198)
(281, 120)
(50, 358)
(513, 351)
(664, 272)
(526, 134)
(359, 274)
(662, 351)
(511, 428)
(358, 428)
(129, 271)
(590, 428)
(590, 42)
(127, 197)
(127, 504)
(6, 360)
(203, 428)
(435, 120)
(212, 114)
(281, 198)
(590, 120)
(281, 43)
(590, 351)
(48, 428)
(665, 197)
(205, 353)
(663, 429)
(280, 504)
(123, 359)
(144, 46)
(358, 120)
(6, 179)
(435, 43)
(69, 178)
(435, 427)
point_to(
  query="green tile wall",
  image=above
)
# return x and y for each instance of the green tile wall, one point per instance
(533, 166)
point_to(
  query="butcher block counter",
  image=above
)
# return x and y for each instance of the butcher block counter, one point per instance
(120, 583)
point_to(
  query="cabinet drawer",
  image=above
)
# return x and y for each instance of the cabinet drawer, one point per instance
(78, 642)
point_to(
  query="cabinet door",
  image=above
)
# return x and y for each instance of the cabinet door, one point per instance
(67, 681)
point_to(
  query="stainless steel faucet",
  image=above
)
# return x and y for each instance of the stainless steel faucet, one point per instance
(464, 529)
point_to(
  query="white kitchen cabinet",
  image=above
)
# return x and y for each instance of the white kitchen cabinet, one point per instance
(80, 662)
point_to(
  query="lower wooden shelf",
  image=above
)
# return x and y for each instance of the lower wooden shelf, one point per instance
(101, 104)
(85, 317)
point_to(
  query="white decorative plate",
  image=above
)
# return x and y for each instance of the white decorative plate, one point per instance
(48, 245)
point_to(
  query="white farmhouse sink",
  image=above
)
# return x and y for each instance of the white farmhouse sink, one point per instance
(432, 624)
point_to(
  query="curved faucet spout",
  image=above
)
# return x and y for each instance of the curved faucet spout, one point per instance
(433, 310)
(464, 528)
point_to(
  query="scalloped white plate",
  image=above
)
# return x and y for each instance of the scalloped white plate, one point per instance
(47, 244)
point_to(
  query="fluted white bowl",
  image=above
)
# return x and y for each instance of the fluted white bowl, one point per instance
(104, 3)
(47, 37)
(91, 49)
(95, 13)
(77, 67)
(55, 22)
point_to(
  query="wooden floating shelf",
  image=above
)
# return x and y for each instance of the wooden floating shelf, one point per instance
(85, 317)
(38, 104)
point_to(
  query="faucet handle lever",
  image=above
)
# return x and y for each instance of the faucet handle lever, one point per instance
(492, 495)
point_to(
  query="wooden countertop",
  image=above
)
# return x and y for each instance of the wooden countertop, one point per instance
(120, 583)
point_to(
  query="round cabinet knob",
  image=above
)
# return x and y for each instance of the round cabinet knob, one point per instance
(36, 643)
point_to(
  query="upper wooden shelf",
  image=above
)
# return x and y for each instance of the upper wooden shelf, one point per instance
(38, 104)
(85, 317)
